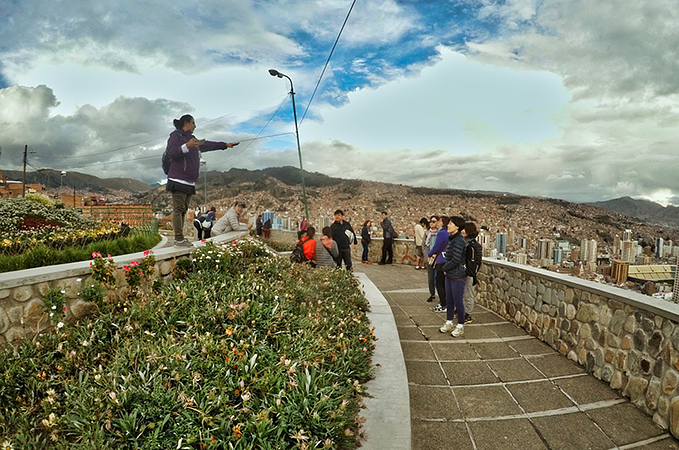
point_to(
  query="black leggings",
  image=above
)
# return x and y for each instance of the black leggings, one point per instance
(441, 285)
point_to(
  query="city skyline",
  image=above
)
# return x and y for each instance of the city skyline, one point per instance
(540, 98)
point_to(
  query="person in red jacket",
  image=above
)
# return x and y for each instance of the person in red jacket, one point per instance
(309, 244)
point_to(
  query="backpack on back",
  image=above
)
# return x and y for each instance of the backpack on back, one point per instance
(166, 160)
(298, 255)
(474, 256)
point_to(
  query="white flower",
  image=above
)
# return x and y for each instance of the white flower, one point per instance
(54, 306)
(7, 445)
(60, 325)
(85, 344)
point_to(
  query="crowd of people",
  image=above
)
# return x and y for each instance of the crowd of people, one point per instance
(446, 247)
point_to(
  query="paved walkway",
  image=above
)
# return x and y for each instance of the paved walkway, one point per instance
(498, 387)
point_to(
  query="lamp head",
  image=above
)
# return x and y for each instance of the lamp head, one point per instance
(63, 173)
(275, 73)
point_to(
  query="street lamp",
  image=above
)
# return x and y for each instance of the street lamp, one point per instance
(275, 73)
(204, 164)
(63, 174)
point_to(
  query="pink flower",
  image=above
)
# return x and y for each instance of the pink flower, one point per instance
(140, 273)
(127, 268)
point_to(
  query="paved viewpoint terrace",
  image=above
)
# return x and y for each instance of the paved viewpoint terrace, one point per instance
(498, 387)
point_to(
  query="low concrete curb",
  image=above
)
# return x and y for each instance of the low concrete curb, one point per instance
(387, 413)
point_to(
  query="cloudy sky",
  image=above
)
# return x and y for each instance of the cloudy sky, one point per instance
(562, 98)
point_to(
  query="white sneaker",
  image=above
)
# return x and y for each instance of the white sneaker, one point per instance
(448, 326)
(458, 331)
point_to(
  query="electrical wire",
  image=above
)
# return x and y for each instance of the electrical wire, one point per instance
(143, 142)
(327, 62)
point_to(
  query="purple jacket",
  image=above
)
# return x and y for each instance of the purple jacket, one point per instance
(440, 245)
(186, 166)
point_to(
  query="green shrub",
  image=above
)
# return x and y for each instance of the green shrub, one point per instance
(43, 255)
(247, 352)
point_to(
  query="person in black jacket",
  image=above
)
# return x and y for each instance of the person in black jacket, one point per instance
(365, 240)
(456, 277)
(389, 235)
(344, 235)
(474, 255)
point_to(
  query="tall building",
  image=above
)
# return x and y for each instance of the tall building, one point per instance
(628, 251)
(616, 245)
(619, 270)
(501, 243)
(558, 256)
(627, 235)
(545, 248)
(588, 250)
(675, 289)
(667, 248)
(659, 247)
(510, 236)
(521, 258)
(523, 243)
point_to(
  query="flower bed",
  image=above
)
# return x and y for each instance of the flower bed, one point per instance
(246, 351)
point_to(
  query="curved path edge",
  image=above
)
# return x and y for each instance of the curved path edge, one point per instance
(387, 408)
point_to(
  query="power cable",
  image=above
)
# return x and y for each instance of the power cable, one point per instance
(327, 62)
(140, 143)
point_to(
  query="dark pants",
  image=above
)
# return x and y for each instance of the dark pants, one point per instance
(344, 255)
(207, 232)
(267, 233)
(180, 204)
(440, 284)
(454, 294)
(365, 245)
(387, 251)
(199, 227)
(431, 278)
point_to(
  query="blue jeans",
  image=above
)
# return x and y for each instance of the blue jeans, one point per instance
(454, 294)
(364, 257)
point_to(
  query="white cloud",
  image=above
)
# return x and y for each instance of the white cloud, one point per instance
(454, 104)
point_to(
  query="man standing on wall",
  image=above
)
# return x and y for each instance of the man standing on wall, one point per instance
(389, 235)
(344, 235)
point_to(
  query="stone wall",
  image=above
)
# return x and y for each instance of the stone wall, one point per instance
(626, 339)
(22, 311)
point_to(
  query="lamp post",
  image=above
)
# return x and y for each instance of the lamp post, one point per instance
(204, 164)
(275, 73)
(63, 174)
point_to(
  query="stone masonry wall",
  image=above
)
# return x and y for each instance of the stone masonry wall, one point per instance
(628, 340)
(22, 293)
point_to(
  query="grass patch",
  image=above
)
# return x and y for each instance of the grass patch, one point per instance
(246, 352)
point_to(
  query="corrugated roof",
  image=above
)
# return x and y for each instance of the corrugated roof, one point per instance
(652, 272)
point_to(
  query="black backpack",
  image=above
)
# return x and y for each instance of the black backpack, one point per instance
(474, 256)
(165, 161)
(298, 255)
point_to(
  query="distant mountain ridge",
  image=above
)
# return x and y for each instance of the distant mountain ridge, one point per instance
(643, 209)
(52, 179)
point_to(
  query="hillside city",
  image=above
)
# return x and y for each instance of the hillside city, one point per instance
(575, 239)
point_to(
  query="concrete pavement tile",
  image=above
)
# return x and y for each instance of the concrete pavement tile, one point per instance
(478, 332)
(531, 347)
(539, 396)
(409, 333)
(486, 401)
(506, 330)
(433, 403)
(494, 350)
(440, 436)
(480, 317)
(454, 351)
(625, 424)
(402, 319)
(514, 370)
(572, 431)
(586, 389)
(423, 372)
(427, 319)
(417, 351)
(668, 443)
(556, 365)
(466, 373)
(516, 434)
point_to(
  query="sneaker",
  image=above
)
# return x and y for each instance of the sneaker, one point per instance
(430, 299)
(417, 267)
(439, 308)
(468, 318)
(448, 326)
(458, 331)
(184, 243)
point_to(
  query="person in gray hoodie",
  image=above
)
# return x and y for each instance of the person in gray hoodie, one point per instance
(456, 277)
(326, 250)
(184, 151)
